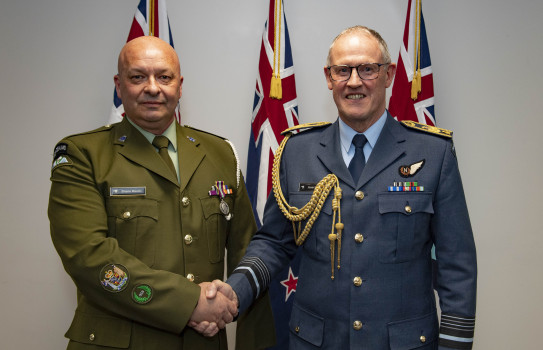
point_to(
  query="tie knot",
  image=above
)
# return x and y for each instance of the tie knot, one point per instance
(359, 140)
(161, 142)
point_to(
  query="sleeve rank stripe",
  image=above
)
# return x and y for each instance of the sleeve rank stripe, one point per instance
(256, 272)
(453, 318)
(455, 343)
(456, 332)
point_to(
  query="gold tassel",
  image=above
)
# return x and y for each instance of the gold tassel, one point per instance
(276, 90)
(416, 85)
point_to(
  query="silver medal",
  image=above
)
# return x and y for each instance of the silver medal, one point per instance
(225, 209)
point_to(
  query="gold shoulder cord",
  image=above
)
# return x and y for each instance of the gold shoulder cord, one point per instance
(312, 209)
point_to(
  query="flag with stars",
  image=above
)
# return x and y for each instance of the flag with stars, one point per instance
(413, 90)
(275, 109)
(151, 18)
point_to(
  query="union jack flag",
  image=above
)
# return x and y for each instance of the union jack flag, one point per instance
(151, 18)
(413, 91)
(275, 109)
(270, 115)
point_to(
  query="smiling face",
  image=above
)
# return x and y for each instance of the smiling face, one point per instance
(149, 83)
(360, 103)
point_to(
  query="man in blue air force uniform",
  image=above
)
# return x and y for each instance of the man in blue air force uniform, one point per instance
(365, 280)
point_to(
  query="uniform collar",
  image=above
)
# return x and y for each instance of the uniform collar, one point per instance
(170, 133)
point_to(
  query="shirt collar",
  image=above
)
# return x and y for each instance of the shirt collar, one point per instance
(346, 133)
(170, 133)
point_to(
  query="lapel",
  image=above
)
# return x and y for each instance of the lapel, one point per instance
(330, 154)
(189, 155)
(387, 149)
(135, 147)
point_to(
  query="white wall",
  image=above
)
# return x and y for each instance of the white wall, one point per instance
(57, 59)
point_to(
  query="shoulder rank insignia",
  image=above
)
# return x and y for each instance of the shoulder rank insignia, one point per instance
(305, 126)
(427, 128)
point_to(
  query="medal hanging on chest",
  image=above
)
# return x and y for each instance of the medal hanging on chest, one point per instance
(221, 190)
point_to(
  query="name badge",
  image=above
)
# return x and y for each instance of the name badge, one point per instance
(306, 187)
(127, 191)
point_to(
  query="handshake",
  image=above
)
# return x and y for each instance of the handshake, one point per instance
(217, 306)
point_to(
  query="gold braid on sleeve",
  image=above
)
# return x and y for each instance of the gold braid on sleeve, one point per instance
(312, 209)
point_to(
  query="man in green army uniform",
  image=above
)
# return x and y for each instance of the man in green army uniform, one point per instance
(141, 227)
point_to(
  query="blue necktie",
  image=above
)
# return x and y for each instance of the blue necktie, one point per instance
(358, 162)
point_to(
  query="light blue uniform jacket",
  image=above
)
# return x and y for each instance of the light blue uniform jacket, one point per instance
(395, 303)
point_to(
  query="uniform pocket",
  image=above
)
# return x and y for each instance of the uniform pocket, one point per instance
(216, 226)
(413, 333)
(404, 226)
(100, 330)
(133, 222)
(306, 325)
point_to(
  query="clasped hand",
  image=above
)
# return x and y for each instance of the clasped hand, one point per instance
(217, 306)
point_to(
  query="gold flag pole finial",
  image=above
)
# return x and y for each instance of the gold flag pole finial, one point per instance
(276, 90)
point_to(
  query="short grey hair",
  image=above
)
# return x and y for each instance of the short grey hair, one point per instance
(367, 31)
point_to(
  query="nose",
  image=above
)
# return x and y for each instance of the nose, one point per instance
(354, 79)
(152, 87)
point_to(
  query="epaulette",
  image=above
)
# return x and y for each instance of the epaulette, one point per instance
(305, 126)
(205, 132)
(100, 129)
(427, 128)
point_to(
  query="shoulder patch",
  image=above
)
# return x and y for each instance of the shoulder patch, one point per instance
(205, 132)
(60, 149)
(305, 127)
(427, 128)
(61, 160)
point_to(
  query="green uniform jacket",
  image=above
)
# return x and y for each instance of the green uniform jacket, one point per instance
(137, 243)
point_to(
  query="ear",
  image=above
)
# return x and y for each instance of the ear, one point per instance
(391, 71)
(328, 79)
(116, 80)
(180, 87)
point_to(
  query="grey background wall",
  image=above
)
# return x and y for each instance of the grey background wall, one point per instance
(58, 57)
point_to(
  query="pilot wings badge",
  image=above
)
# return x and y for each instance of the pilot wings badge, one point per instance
(411, 170)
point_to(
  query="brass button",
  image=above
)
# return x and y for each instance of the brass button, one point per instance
(357, 325)
(126, 215)
(190, 277)
(407, 209)
(357, 281)
(185, 201)
(422, 339)
(359, 238)
(297, 329)
(188, 239)
(91, 337)
(359, 195)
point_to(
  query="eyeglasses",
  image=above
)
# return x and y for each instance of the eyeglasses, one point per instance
(366, 71)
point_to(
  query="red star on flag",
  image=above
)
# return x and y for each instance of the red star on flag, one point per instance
(290, 283)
